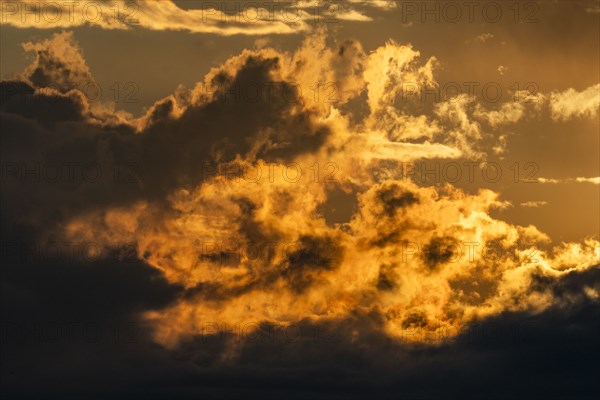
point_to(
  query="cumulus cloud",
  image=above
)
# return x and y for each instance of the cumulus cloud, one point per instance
(225, 194)
(571, 103)
(58, 63)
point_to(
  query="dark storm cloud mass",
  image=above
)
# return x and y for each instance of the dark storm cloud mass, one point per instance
(92, 349)
(227, 126)
(76, 323)
(54, 127)
(61, 312)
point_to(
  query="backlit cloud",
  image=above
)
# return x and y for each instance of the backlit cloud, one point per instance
(253, 246)
(222, 18)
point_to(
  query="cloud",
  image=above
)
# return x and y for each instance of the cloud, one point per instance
(593, 9)
(252, 247)
(203, 249)
(570, 103)
(593, 180)
(234, 18)
(547, 180)
(58, 64)
(484, 37)
(534, 204)
(382, 4)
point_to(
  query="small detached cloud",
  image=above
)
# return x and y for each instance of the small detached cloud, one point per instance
(484, 37)
(534, 204)
(593, 9)
(593, 180)
(571, 103)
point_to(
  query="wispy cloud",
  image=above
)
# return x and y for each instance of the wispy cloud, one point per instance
(592, 180)
(223, 18)
(534, 204)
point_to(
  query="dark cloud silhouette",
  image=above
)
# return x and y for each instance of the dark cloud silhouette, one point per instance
(50, 130)
(348, 358)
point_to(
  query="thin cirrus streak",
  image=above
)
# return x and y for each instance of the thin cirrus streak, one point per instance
(579, 179)
(257, 248)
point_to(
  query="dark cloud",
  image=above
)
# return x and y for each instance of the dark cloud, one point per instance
(387, 278)
(48, 130)
(48, 109)
(439, 250)
(393, 197)
(415, 320)
(306, 257)
(350, 358)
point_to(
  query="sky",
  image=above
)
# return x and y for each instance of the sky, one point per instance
(300, 199)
